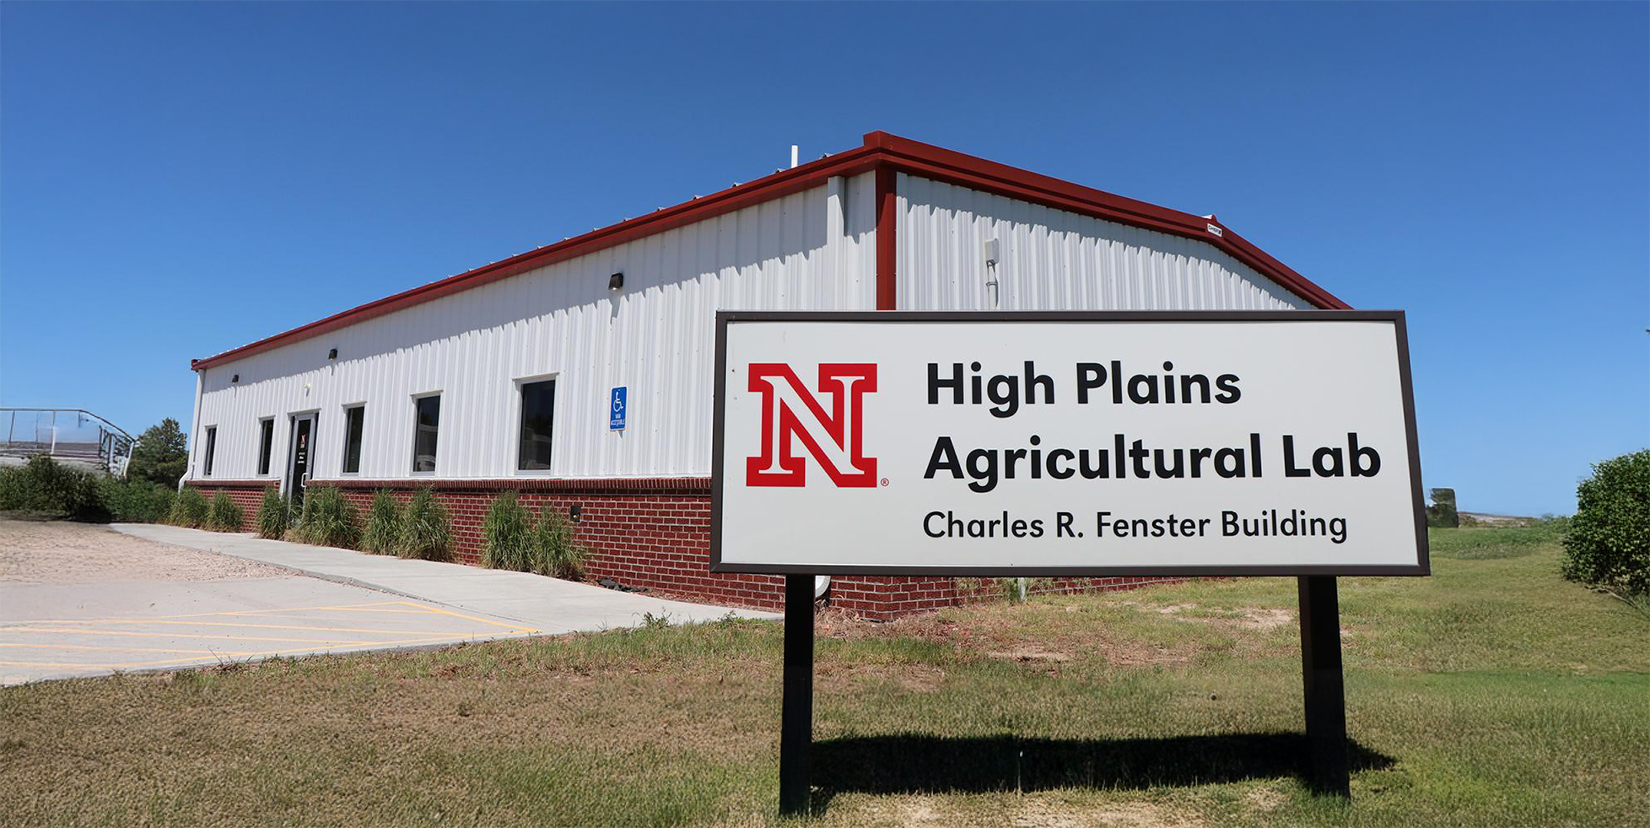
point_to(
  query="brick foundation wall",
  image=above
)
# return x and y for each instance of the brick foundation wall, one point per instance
(655, 533)
(247, 494)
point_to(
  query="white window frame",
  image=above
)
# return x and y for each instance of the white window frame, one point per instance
(412, 461)
(343, 441)
(555, 427)
(209, 448)
(257, 457)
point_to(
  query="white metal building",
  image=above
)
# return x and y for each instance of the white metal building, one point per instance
(349, 400)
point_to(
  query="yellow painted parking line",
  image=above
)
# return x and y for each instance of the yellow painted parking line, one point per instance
(382, 606)
(343, 610)
(209, 614)
(189, 635)
(467, 617)
(161, 622)
(127, 665)
(121, 649)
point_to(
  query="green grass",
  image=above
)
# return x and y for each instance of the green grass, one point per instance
(1493, 693)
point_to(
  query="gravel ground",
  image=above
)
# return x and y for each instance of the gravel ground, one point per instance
(59, 552)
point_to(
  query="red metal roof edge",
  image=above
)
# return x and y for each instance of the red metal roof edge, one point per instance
(879, 150)
(955, 167)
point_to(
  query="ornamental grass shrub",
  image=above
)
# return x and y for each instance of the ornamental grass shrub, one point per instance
(223, 514)
(508, 534)
(1608, 545)
(555, 552)
(425, 531)
(329, 519)
(188, 509)
(274, 514)
(383, 532)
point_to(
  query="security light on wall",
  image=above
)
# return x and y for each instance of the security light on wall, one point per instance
(616, 281)
(332, 353)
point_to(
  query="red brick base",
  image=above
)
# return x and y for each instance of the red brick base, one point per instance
(247, 494)
(655, 533)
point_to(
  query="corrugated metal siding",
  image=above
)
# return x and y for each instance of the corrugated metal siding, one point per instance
(809, 250)
(1055, 260)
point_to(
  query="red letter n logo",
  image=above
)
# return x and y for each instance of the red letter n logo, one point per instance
(791, 414)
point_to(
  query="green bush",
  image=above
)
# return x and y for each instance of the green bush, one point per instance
(329, 519)
(12, 489)
(383, 532)
(136, 501)
(46, 486)
(425, 531)
(555, 552)
(223, 514)
(188, 508)
(274, 513)
(509, 536)
(1609, 540)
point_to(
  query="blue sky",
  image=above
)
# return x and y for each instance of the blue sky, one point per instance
(179, 179)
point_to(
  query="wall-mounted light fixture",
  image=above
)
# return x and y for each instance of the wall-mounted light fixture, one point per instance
(575, 513)
(236, 378)
(332, 354)
(616, 281)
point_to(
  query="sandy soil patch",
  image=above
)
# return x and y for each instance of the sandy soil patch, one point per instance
(59, 552)
(1249, 618)
(1031, 811)
(1041, 813)
(992, 632)
(910, 677)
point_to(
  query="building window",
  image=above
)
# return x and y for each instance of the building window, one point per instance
(266, 441)
(211, 446)
(355, 419)
(538, 410)
(428, 422)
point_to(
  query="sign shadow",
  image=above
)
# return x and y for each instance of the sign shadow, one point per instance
(909, 763)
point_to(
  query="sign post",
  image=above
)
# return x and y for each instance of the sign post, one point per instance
(1098, 444)
(1328, 770)
(796, 729)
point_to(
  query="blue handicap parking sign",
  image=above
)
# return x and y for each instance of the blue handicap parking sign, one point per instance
(615, 411)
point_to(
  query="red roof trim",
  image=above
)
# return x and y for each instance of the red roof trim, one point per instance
(953, 167)
(880, 151)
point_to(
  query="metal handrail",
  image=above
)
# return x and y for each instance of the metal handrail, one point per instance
(76, 411)
(114, 444)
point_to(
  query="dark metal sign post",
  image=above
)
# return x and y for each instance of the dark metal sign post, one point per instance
(796, 717)
(1328, 771)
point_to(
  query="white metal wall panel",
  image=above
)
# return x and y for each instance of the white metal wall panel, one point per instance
(809, 250)
(1056, 260)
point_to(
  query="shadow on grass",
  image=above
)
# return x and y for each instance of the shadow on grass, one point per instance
(934, 764)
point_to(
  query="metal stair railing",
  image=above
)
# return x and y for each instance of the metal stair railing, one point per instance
(72, 434)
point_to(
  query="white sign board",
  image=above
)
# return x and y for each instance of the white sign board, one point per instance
(1054, 443)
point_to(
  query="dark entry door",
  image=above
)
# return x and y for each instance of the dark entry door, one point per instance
(301, 457)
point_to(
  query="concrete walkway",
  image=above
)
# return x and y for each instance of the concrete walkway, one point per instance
(548, 605)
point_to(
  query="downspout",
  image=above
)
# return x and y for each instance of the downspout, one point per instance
(194, 426)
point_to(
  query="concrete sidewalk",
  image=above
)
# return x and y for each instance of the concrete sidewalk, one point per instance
(549, 605)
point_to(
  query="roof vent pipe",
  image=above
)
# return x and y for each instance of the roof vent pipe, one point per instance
(793, 155)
